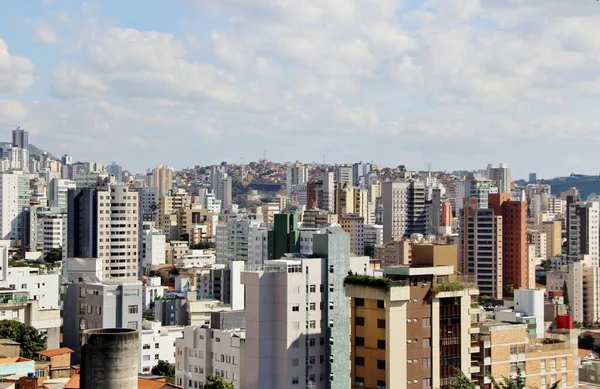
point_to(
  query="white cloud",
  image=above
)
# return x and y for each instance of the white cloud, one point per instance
(16, 73)
(45, 33)
(11, 110)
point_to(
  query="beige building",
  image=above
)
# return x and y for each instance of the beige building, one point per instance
(419, 331)
(162, 178)
(354, 226)
(393, 253)
(506, 347)
(168, 208)
(553, 231)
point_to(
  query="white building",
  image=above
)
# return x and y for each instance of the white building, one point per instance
(153, 249)
(243, 238)
(531, 303)
(297, 318)
(195, 258)
(9, 206)
(151, 291)
(157, 343)
(206, 351)
(297, 174)
(51, 231)
(57, 192)
(373, 235)
(584, 231)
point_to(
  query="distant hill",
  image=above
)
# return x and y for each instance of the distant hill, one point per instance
(36, 152)
(585, 184)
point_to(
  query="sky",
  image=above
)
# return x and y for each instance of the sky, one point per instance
(455, 83)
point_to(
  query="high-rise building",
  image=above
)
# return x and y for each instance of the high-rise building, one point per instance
(285, 236)
(244, 239)
(10, 212)
(584, 226)
(104, 223)
(515, 267)
(553, 231)
(343, 174)
(354, 226)
(532, 178)
(404, 210)
(162, 178)
(481, 247)
(419, 332)
(221, 185)
(57, 192)
(500, 177)
(298, 331)
(92, 303)
(297, 174)
(20, 138)
(115, 170)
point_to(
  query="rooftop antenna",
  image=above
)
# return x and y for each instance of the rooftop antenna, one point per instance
(264, 155)
(323, 159)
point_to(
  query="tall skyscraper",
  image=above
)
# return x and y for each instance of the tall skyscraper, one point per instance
(104, 223)
(20, 138)
(584, 230)
(515, 265)
(9, 207)
(500, 176)
(404, 210)
(297, 174)
(221, 185)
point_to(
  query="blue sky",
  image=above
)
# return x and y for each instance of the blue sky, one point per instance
(456, 83)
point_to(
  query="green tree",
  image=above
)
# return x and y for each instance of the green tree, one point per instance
(509, 290)
(54, 255)
(164, 369)
(203, 246)
(216, 382)
(30, 339)
(460, 381)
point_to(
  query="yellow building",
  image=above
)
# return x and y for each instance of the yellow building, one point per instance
(507, 347)
(417, 332)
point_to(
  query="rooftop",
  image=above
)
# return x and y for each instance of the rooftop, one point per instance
(55, 352)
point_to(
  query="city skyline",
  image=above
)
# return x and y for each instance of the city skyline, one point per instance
(455, 84)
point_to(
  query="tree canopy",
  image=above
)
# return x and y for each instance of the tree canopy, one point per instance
(203, 246)
(460, 381)
(54, 255)
(165, 369)
(30, 339)
(216, 382)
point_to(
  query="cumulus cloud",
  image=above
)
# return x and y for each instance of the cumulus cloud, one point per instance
(16, 73)
(45, 33)
(460, 81)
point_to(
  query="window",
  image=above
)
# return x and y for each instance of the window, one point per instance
(381, 364)
(146, 347)
(155, 356)
(321, 288)
(296, 308)
(98, 310)
(312, 360)
(381, 323)
(543, 365)
(426, 342)
(426, 322)
(312, 324)
(295, 380)
(295, 362)
(321, 359)
(359, 381)
(380, 304)
(426, 382)
(322, 341)
(311, 342)
(133, 325)
(156, 345)
(359, 302)
(313, 289)
(146, 357)
(513, 350)
(563, 362)
(426, 362)
(359, 361)
(360, 321)
(380, 384)
(313, 306)
(553, 363)
(133, 309)
(359, 341)
(381, 344)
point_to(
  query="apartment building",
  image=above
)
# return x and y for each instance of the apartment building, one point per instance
(301, 299)
(553, 231)
(316, 218)
(104, 223)
(416, 333)
(354, 225)
(481, 247)
(157, 343)
(152, 290)
(297, 174)
(404, 210)
(205, 351)
(505, 348)
(153, 248)
(244, 238)
(396, 252)
(92, 303)
(583, 236)
(515, 264)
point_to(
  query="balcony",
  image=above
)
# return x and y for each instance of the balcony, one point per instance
(474, 328)
(475, 368)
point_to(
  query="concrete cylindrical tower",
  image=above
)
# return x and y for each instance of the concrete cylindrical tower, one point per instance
(109, 358)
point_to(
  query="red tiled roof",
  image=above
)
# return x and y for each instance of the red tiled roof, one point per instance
(73, 383)
(143, 383)
(55, 352)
